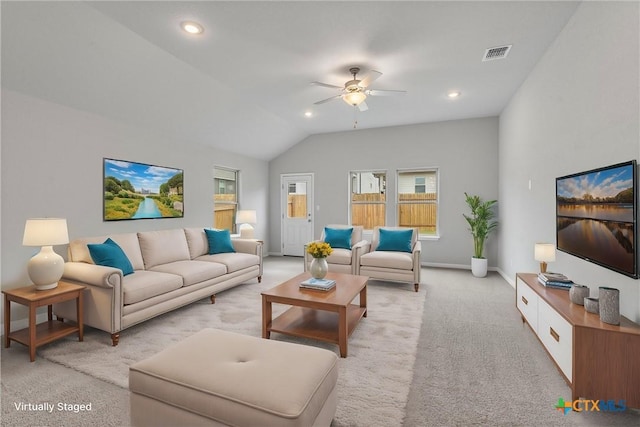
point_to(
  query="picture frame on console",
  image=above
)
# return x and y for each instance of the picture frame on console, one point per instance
(596, 214)
(133, 190)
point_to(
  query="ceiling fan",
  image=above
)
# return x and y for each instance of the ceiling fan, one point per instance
(356, 91)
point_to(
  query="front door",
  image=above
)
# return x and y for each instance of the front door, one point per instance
(297, 210)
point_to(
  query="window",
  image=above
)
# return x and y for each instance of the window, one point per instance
(225, 198)
(368, 198)
(418, 200)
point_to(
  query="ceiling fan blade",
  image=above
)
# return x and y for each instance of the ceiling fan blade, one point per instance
(326, 85)
(327, 100)
(363, 106)
(374, 92)
(370, 78)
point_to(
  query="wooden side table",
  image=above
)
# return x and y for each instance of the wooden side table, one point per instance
(37, 335)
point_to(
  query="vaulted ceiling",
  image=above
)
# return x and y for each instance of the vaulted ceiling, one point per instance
(244, 84)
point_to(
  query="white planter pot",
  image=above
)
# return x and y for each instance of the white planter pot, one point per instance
(479, 267)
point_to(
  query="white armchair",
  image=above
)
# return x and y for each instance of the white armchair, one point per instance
(397, 259)
(342, 260)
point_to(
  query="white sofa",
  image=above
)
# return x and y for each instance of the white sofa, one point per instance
(172, 268)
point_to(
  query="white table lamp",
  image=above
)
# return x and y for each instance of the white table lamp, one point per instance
(544, 253)
(46, 267)
(245, 219)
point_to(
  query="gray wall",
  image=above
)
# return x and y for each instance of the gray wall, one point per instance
(52, 167)
(465, 151)
(578, 110)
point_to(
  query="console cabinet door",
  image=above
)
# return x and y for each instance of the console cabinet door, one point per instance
(527, 303)
(557, 336)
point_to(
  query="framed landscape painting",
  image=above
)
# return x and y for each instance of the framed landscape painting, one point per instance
(134, 190)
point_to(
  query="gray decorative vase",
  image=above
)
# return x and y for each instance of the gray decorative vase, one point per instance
(578, 293)
(318, 268)
(591, 305)
(609, 305)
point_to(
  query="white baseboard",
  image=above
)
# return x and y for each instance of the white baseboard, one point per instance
(457, 266)
(507, 278)
(444, 265)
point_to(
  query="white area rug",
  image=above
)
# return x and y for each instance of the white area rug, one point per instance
(373, 381)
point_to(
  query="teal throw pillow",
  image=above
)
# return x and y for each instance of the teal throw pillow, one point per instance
(338, 237)
(395, 240)
(219, 241)
(109, 254)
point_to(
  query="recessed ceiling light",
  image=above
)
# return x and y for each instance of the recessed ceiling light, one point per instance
(308, 114)
(192, 27)
(454, 94)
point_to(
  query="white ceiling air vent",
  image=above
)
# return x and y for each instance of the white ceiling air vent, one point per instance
(498, 52)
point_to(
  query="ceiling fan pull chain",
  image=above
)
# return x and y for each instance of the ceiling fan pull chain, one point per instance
(355, 117)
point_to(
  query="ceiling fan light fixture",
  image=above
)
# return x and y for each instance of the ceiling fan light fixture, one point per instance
(354, 98)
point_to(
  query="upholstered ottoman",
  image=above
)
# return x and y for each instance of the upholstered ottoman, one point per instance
(216, 377)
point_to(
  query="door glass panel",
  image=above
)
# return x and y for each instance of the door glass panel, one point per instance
(297, 200)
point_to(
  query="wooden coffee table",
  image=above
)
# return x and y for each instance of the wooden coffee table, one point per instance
(322, 315)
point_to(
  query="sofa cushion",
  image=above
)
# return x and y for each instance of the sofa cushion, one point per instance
(128, 242)
(233, 261)
(395, 240)
(219, 241)
(109, 254)
(395, 260)
(193, 271)
(162, 247)
(340, 256)
(338, 238)
(147, 284)
(197, 242)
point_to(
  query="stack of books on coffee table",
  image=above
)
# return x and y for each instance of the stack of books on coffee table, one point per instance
(555, 280)
(318, 284)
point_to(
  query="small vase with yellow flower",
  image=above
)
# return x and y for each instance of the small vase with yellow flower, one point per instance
(319, 251)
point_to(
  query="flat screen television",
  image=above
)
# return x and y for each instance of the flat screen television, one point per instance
(596, 213)
(134, 190)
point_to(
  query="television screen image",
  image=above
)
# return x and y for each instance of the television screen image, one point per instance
(134, 190)
(596, 216)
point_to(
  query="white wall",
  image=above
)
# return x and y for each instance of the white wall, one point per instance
(465, 151)
(577, 110)
(52, 167)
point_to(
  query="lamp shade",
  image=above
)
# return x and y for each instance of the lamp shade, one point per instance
(45, 232)
(545, 252)
(246, 217)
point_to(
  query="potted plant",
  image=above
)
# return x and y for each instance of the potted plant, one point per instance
(481, 224)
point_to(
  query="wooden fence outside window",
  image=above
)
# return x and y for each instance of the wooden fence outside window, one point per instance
(224, 212)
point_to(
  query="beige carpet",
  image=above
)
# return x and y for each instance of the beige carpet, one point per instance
(374, 379)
